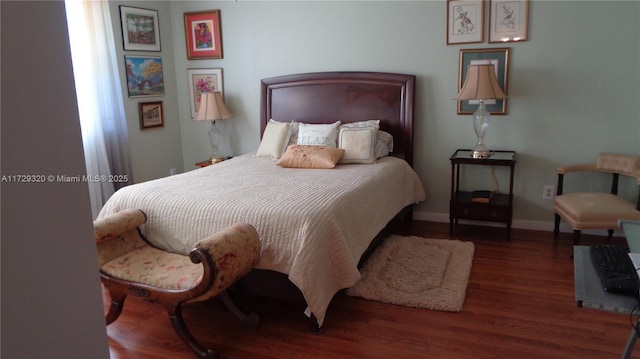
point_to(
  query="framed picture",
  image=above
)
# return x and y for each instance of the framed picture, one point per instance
(144, 76)
(203, 34)
(500, 59)
(508, 20)
(151, 114)
(140, 30)
(465, 21)
(203, 80)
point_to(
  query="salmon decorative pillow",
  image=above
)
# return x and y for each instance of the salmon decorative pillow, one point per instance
(305, 156)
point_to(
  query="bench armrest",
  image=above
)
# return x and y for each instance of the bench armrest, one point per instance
(234, 251)
(118, 234)
(118, 223)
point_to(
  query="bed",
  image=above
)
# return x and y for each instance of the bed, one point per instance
(315, 225)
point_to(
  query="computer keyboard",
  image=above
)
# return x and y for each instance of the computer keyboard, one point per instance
(615, 269)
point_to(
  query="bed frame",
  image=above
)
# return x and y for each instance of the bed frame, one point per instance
(326, 97)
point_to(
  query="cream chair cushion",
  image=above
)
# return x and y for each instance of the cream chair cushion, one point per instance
(594, 210)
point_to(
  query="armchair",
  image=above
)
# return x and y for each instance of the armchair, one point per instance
(597, 210)
(129, 265)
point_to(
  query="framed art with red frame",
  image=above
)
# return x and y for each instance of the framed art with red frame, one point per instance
(203, 34)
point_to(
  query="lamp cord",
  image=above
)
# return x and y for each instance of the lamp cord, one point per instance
(495, 180)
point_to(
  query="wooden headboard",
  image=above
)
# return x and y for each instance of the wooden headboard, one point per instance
(326, 97)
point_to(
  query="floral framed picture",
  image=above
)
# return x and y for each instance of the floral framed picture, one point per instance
(203, 34)
(465, 21)
(500, 60)
(508, 20)
(151, 114)
(203, 80)
(144, 76)
(140, 30)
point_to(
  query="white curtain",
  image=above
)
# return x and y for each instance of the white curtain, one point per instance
(102, 118)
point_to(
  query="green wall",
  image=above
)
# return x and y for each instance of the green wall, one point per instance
(574, 85)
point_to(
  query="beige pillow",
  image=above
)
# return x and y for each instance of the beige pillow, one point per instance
(305, 156)
(358, 143)
(274, 140)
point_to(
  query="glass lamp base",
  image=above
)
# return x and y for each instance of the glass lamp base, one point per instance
(481, 154)
(481, 150)
(481, 120)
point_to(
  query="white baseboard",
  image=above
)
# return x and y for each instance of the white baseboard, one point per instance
(546, 226)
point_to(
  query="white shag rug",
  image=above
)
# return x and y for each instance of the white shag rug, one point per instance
(417, 272)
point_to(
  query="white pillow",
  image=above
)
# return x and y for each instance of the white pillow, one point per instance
(387, 139)
(381, 149)
(318, 134)
(293, 137)
(274, 140)
(358, 143)
(368, 123)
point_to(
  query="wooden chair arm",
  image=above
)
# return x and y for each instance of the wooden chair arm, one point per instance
(576, 168)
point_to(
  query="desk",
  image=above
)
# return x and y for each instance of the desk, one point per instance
(589, 293)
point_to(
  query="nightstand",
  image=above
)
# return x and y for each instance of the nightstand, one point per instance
(204, 163)
(498, 208)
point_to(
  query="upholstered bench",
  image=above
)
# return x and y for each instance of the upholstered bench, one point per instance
(129, 265)
(597, 210)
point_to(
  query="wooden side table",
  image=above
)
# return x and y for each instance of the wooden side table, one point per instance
(499, 208)
(204, 163)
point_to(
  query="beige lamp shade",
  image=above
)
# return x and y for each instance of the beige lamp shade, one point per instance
(481, 84)
(212, 108)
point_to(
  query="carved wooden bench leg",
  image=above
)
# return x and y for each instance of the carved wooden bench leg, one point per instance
(250, 319)
(175, 314)
(116, 306)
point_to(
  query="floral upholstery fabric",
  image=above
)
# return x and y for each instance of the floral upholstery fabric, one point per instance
(118, 234)
(125, 255)
(154, 267)
(118, 223)
(235, 250)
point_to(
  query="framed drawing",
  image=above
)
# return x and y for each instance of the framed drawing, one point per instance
(500, 59)
(203, 80)
(151, 114)
(465, 21)
(203, 34)
(144, 76)
(140, 30)
(508, 20)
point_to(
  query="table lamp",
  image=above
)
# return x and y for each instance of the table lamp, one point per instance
(212, 108)
(481, 84)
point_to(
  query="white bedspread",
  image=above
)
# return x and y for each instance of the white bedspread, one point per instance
(314, 224)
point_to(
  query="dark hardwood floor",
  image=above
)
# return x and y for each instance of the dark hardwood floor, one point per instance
(519, 304)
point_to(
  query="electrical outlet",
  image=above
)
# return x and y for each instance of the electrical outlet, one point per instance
(548, 191)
